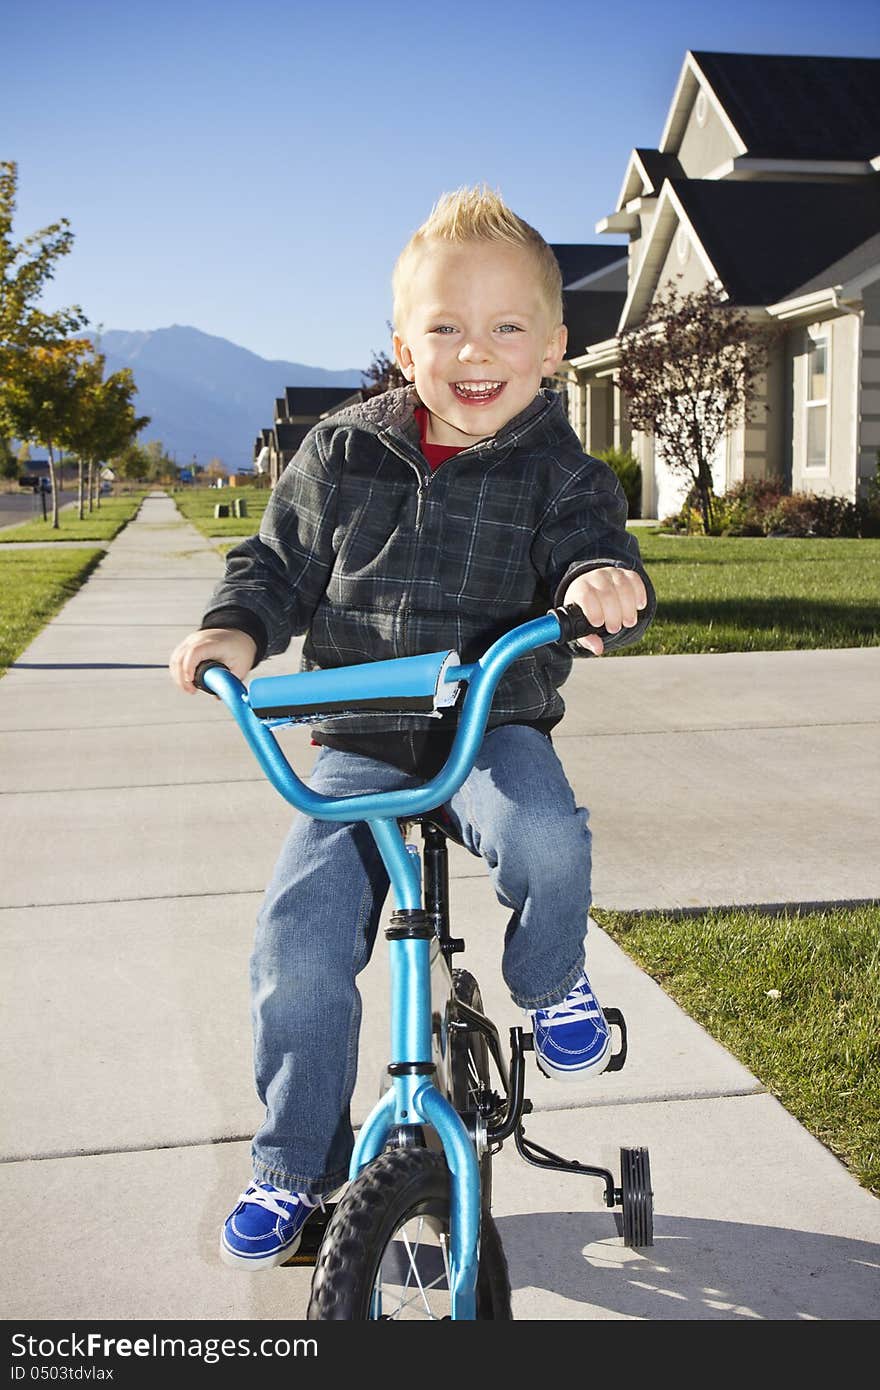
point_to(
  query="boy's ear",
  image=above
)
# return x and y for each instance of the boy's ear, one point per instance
(555, 350)
(403, 357)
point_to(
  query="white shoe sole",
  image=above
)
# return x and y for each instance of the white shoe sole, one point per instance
(254, 1262)
(573, 1073)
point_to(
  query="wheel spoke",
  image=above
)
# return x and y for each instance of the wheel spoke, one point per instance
(414, 1267)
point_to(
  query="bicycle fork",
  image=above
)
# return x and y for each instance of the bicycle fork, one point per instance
(413, 1099)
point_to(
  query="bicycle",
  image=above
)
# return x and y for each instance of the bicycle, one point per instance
(413, 1233)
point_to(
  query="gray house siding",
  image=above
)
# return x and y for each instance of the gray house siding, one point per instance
(869, 432)
(703, 148)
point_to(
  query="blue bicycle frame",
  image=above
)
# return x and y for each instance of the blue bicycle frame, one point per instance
(412, 1099)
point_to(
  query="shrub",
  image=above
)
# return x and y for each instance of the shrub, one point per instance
(805, 514)
(689, 521)
(629, 471)
(747, 504)
(760, 507)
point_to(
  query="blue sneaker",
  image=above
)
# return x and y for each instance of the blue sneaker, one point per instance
(265, 1228)
(572, 1038)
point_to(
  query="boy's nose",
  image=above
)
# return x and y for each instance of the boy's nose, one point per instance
(474, 350)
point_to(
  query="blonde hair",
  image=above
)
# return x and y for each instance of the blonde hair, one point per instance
(478, 214)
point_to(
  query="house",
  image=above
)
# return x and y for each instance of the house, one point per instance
(296, 412)
(766, 182)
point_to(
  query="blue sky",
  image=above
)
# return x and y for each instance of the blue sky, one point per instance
(252, 169)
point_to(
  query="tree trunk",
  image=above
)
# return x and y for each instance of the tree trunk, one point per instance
(54, 481)
(704, 488)
(79, 486)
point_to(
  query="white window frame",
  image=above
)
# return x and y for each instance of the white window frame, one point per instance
(819, 333)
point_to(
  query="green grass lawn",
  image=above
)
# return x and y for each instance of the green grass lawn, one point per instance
(100, 525)
(742, 594)
(815, 1044)
(33, 586)
(725, 594)
(197, 505)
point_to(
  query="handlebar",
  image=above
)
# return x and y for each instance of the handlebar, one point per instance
(482, 677)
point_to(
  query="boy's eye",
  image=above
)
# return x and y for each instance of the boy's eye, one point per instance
(509, 328)
(443, 328)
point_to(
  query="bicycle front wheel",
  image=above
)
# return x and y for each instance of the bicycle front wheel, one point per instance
(385, 1255)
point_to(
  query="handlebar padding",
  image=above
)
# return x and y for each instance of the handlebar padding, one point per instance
(203, 666)
(574, 623)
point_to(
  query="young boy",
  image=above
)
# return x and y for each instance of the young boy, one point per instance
(434, 516)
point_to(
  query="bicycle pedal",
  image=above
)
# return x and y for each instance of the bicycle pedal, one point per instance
(615, 1019)
(312, 1236)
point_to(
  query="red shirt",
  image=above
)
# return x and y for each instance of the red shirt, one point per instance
(435, 454)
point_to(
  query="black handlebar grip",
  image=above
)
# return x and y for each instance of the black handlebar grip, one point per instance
(573, 623)
(202, 667)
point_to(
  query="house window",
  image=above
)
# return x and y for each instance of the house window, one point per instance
(702, 107)
(816, 458)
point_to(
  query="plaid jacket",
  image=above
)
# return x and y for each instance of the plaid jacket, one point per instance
(373, 556)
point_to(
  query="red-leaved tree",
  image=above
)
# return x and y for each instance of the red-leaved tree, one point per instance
(690, 372)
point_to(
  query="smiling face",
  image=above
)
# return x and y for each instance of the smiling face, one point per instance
(476, 337)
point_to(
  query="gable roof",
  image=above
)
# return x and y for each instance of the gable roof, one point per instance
(645, 173)
(314, 400)
(789, 107)
(591, 316)
(289, 437)
(577, 261)
(766, 239)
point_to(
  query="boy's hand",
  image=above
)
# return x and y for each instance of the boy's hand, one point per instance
(235, 649)
(610, 598)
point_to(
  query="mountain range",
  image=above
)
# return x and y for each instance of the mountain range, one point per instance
(206, 396)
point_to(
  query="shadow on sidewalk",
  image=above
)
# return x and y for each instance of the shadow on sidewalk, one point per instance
(88, 666)
(696, 1269)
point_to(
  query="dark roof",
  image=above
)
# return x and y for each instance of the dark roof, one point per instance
(289, 437)
(353, 398)
(314, 400)
(767, 239)
(591, 317)
(659, 167)
(787, 107)
(576, 261)
(262, 441)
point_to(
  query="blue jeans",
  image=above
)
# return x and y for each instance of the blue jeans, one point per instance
(318, 923)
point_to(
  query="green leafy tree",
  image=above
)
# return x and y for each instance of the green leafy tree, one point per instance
(131, 463)
(9, 464)
(160, 465)
(26, 267)
(104, 420)
(690, 372)
(43, 398)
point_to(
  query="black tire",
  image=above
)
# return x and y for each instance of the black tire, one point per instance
(401, 1187)
(469, 1069)
(637, 1198)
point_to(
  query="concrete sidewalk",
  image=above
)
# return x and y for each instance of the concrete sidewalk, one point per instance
(137, 835)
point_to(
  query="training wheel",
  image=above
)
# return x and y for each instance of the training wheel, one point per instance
(637, 1198)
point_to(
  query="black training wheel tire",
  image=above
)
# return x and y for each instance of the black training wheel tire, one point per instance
(401, 1186)
(469, 1069)
(637, 1198)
